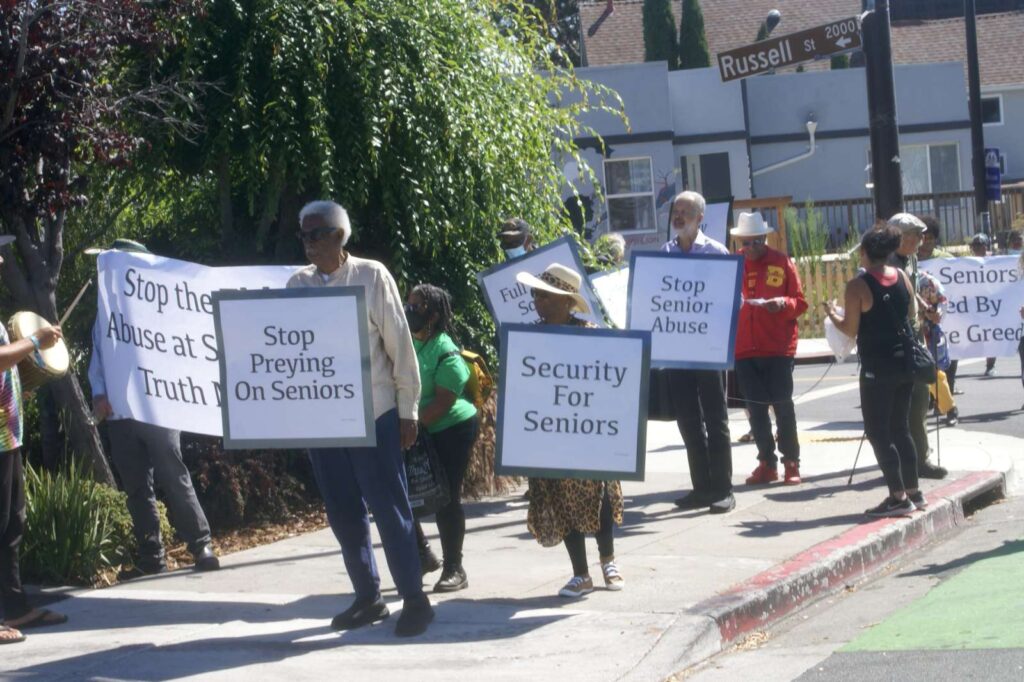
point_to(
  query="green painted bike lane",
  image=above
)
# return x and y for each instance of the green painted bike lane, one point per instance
(981, 607)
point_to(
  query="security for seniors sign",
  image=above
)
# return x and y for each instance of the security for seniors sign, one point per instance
(511, 302)
(573, 402)
(984, 297)
(689, 303)
(295, 368)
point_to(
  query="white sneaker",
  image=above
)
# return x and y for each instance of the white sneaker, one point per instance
(577, 587)
(613, 580)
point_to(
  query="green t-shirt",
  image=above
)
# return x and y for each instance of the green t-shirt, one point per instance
(437, 368)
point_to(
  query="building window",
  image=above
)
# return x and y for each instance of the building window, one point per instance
(629, 190)
(930, 168)
(992, 110)
(708, 174)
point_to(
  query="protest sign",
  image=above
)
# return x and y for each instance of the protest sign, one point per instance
(510, 302)
(689, 303)
(295, 368)
(155, 335)
(717, 215)
(573, 402)
(612, 287)
(983, 304)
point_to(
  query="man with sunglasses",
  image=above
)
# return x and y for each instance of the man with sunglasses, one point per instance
(350, 479)
(766, 337)
(698, 395)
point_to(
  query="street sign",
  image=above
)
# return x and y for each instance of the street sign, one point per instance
(993, 175)
(803, 46)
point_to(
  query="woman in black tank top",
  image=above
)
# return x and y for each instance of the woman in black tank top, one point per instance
(878, 302)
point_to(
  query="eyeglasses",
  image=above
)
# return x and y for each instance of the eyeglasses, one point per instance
(315, 234)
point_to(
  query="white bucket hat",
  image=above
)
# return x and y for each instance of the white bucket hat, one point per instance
(557, 279)
(751, 225)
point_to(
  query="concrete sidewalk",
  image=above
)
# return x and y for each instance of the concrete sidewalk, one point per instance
(694, 583)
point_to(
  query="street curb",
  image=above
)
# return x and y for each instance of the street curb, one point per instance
(830, 566)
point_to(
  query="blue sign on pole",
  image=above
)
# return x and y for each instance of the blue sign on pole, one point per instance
(993, 176)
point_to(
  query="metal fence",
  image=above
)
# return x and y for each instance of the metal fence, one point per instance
(954, 211)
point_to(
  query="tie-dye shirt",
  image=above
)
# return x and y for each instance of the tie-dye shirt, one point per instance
(10, 403)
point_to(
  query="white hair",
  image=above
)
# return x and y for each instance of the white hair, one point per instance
(333, 215)
(693, 198)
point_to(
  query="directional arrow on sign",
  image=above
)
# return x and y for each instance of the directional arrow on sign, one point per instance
(844, 42)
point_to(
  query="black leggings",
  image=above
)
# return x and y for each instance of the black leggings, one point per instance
(13, 604)
(453, 445)
(885, 404)
(575, 542)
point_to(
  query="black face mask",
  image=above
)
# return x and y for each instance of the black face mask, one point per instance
(417, 320)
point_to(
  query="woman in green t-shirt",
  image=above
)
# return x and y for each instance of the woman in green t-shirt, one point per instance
(450, 419)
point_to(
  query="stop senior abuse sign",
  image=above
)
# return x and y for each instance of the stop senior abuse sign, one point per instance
(573, 402)
(689, 303)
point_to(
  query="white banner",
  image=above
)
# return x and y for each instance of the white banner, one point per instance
(612, 287)
(689, 303)
(573, 402)
(510, 302)
(295, 368)
(156, 336)
(716, 221)
(983, 310)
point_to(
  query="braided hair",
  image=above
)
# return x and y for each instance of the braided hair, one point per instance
(439, 301)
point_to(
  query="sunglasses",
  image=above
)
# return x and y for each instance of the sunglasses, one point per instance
(315, 234)
(752, 242)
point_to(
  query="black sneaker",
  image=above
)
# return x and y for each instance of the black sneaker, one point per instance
(141, 570)
(929, 470)
(206, 559)
(892, 507)
(723, 505)
(360, 614)
(918, 499)
(693, 500)
(953, 417)
(452, 580)
(415, 617)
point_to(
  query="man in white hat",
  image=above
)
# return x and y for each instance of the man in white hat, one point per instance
(698, 395)
(905, 257)
(766, 338)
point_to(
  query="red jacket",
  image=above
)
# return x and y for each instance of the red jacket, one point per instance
(759, 333)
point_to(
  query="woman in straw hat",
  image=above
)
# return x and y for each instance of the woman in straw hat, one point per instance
(563, 510)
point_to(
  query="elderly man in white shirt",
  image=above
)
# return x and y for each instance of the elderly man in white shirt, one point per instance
(350, 479)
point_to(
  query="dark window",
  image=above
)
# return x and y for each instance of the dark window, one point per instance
(991, 110)
(714, 176)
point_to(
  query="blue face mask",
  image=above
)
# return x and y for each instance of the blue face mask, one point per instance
(515, 252)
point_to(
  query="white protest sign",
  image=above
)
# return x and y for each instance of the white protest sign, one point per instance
(573, 402)
(689, 303)
(612, 287)
(511, 302)
(716, 220)
(983, 309)
(295, 368)
(155, 336)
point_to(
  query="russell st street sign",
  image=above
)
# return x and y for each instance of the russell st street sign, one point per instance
(803, 46)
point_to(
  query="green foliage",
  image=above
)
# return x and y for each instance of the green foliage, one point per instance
(660, 33)
(808, 237)
(840, 61)
(74, 527)
(429, 121)
(693, 44)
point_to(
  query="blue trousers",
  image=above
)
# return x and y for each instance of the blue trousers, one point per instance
(350, 479)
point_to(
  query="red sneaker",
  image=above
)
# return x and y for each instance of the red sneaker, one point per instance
(792, 473)
(764, 473)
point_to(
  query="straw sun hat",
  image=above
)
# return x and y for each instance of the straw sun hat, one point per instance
(557, 279)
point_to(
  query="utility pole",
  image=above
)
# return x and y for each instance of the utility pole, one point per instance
(977, 133)
(885, 137)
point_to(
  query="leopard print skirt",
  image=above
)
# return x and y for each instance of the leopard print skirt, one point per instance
(561, 505)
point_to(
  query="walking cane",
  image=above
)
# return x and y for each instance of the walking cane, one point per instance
(849, 481)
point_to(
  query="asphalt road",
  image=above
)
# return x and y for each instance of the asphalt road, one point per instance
(953, 612)
(990, 404)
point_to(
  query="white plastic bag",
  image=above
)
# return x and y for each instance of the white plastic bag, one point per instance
(840, 344)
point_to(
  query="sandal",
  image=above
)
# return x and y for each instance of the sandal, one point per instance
(9, 635)
(747, 437)
(37, 618)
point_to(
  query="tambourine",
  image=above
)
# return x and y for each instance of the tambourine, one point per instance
(45, 365)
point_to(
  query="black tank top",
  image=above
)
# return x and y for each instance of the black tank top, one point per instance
(878, 341)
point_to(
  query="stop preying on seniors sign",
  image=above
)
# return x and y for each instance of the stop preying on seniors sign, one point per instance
(295, 368)
(689, 303)
(573, 402)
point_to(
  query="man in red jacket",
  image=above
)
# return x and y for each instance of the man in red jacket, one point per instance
(765, 346)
